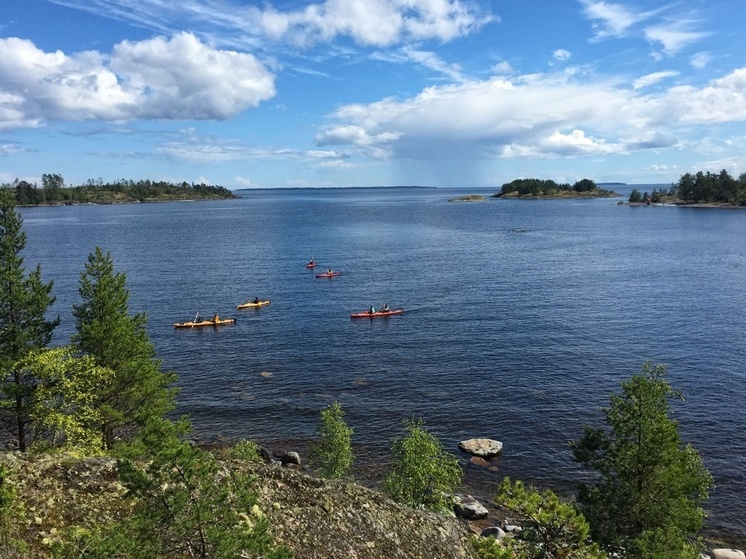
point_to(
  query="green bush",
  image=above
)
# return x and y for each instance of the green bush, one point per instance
(332, 455)
(551, 529)
(423, 474)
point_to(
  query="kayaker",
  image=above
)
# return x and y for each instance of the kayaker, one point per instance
(372, 310)
(385, 308)
(197, 317)
(256, 300)
(216, 318)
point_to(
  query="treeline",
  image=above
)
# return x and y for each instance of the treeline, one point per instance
(539, 187)
(53, 190)
(699, 188)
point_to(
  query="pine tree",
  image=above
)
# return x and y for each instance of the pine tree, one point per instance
(139, 390)
(24, 303)
(648, 499)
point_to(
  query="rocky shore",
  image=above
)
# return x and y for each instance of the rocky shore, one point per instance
(316, 518)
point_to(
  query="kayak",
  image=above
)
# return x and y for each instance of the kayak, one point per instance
(311, 265)
(328, 275)
(252, 305)
(368, 314)
(202, 323)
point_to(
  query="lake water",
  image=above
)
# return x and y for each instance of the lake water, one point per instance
(521, 317)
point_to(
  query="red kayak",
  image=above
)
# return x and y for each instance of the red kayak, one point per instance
(311, 265)
(368, 314)
(329, 274)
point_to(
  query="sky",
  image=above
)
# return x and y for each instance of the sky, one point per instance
(340, 93)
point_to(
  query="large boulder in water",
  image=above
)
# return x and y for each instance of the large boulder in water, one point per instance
(484, 448)
(724, 553)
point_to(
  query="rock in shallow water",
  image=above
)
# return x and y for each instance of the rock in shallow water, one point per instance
(484, 448)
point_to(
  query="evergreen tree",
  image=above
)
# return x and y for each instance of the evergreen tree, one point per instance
(139, 390)
(24, 302)
(647, 501)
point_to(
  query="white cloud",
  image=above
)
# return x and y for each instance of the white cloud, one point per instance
(611, 19)
(502, 68)
(367, 22)
(674, 36)
(541, 115)
(653, 78)
(700, 60)
(561, 55)
(180, 78)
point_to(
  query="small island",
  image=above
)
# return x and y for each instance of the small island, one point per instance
(716, 190)
(54, 192)
(469, 198)
(543, 189)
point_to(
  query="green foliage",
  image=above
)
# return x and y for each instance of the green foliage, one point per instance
(246, 450)
(188, 505)
(584, 185)
(332, 455)
(24, 302)
(12, 518)
(65, 404)
(635, 197)
(551, 529)
(54, 191)
(423, 474)
(648, 499)
(712, 187)
(139, 390)
(491, 548)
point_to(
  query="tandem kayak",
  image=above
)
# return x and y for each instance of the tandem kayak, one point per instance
(329, 274)
(203, 323)
(252, 305)
(377, 314)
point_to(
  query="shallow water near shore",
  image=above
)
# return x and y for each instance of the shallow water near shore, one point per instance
(521, 317)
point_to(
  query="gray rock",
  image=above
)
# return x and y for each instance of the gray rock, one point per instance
(724, 553)
(494, 531)
(484, 448)
(290, 460)
(468, 507)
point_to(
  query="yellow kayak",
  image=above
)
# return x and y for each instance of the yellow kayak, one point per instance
(252, 305)
(217, 321)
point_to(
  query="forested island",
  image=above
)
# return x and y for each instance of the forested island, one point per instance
(539, 188)
(698, 189)
(54, 191)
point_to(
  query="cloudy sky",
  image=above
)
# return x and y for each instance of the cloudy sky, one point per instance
(283, 93)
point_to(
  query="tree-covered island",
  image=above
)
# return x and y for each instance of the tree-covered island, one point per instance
(710, 189)
(54, 191)
(539, 188)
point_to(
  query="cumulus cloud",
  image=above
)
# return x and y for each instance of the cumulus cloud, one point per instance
(561, 55)
(367, 22)
(177, 78)
(540, 115)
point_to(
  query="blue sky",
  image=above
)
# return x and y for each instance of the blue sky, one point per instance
(289, 93)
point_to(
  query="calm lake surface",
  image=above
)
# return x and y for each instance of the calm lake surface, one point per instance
(521, 317)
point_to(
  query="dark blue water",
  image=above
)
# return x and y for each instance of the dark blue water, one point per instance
(521, 317)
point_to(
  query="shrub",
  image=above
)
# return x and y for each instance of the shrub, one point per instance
(423, 474)
(332, 455)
